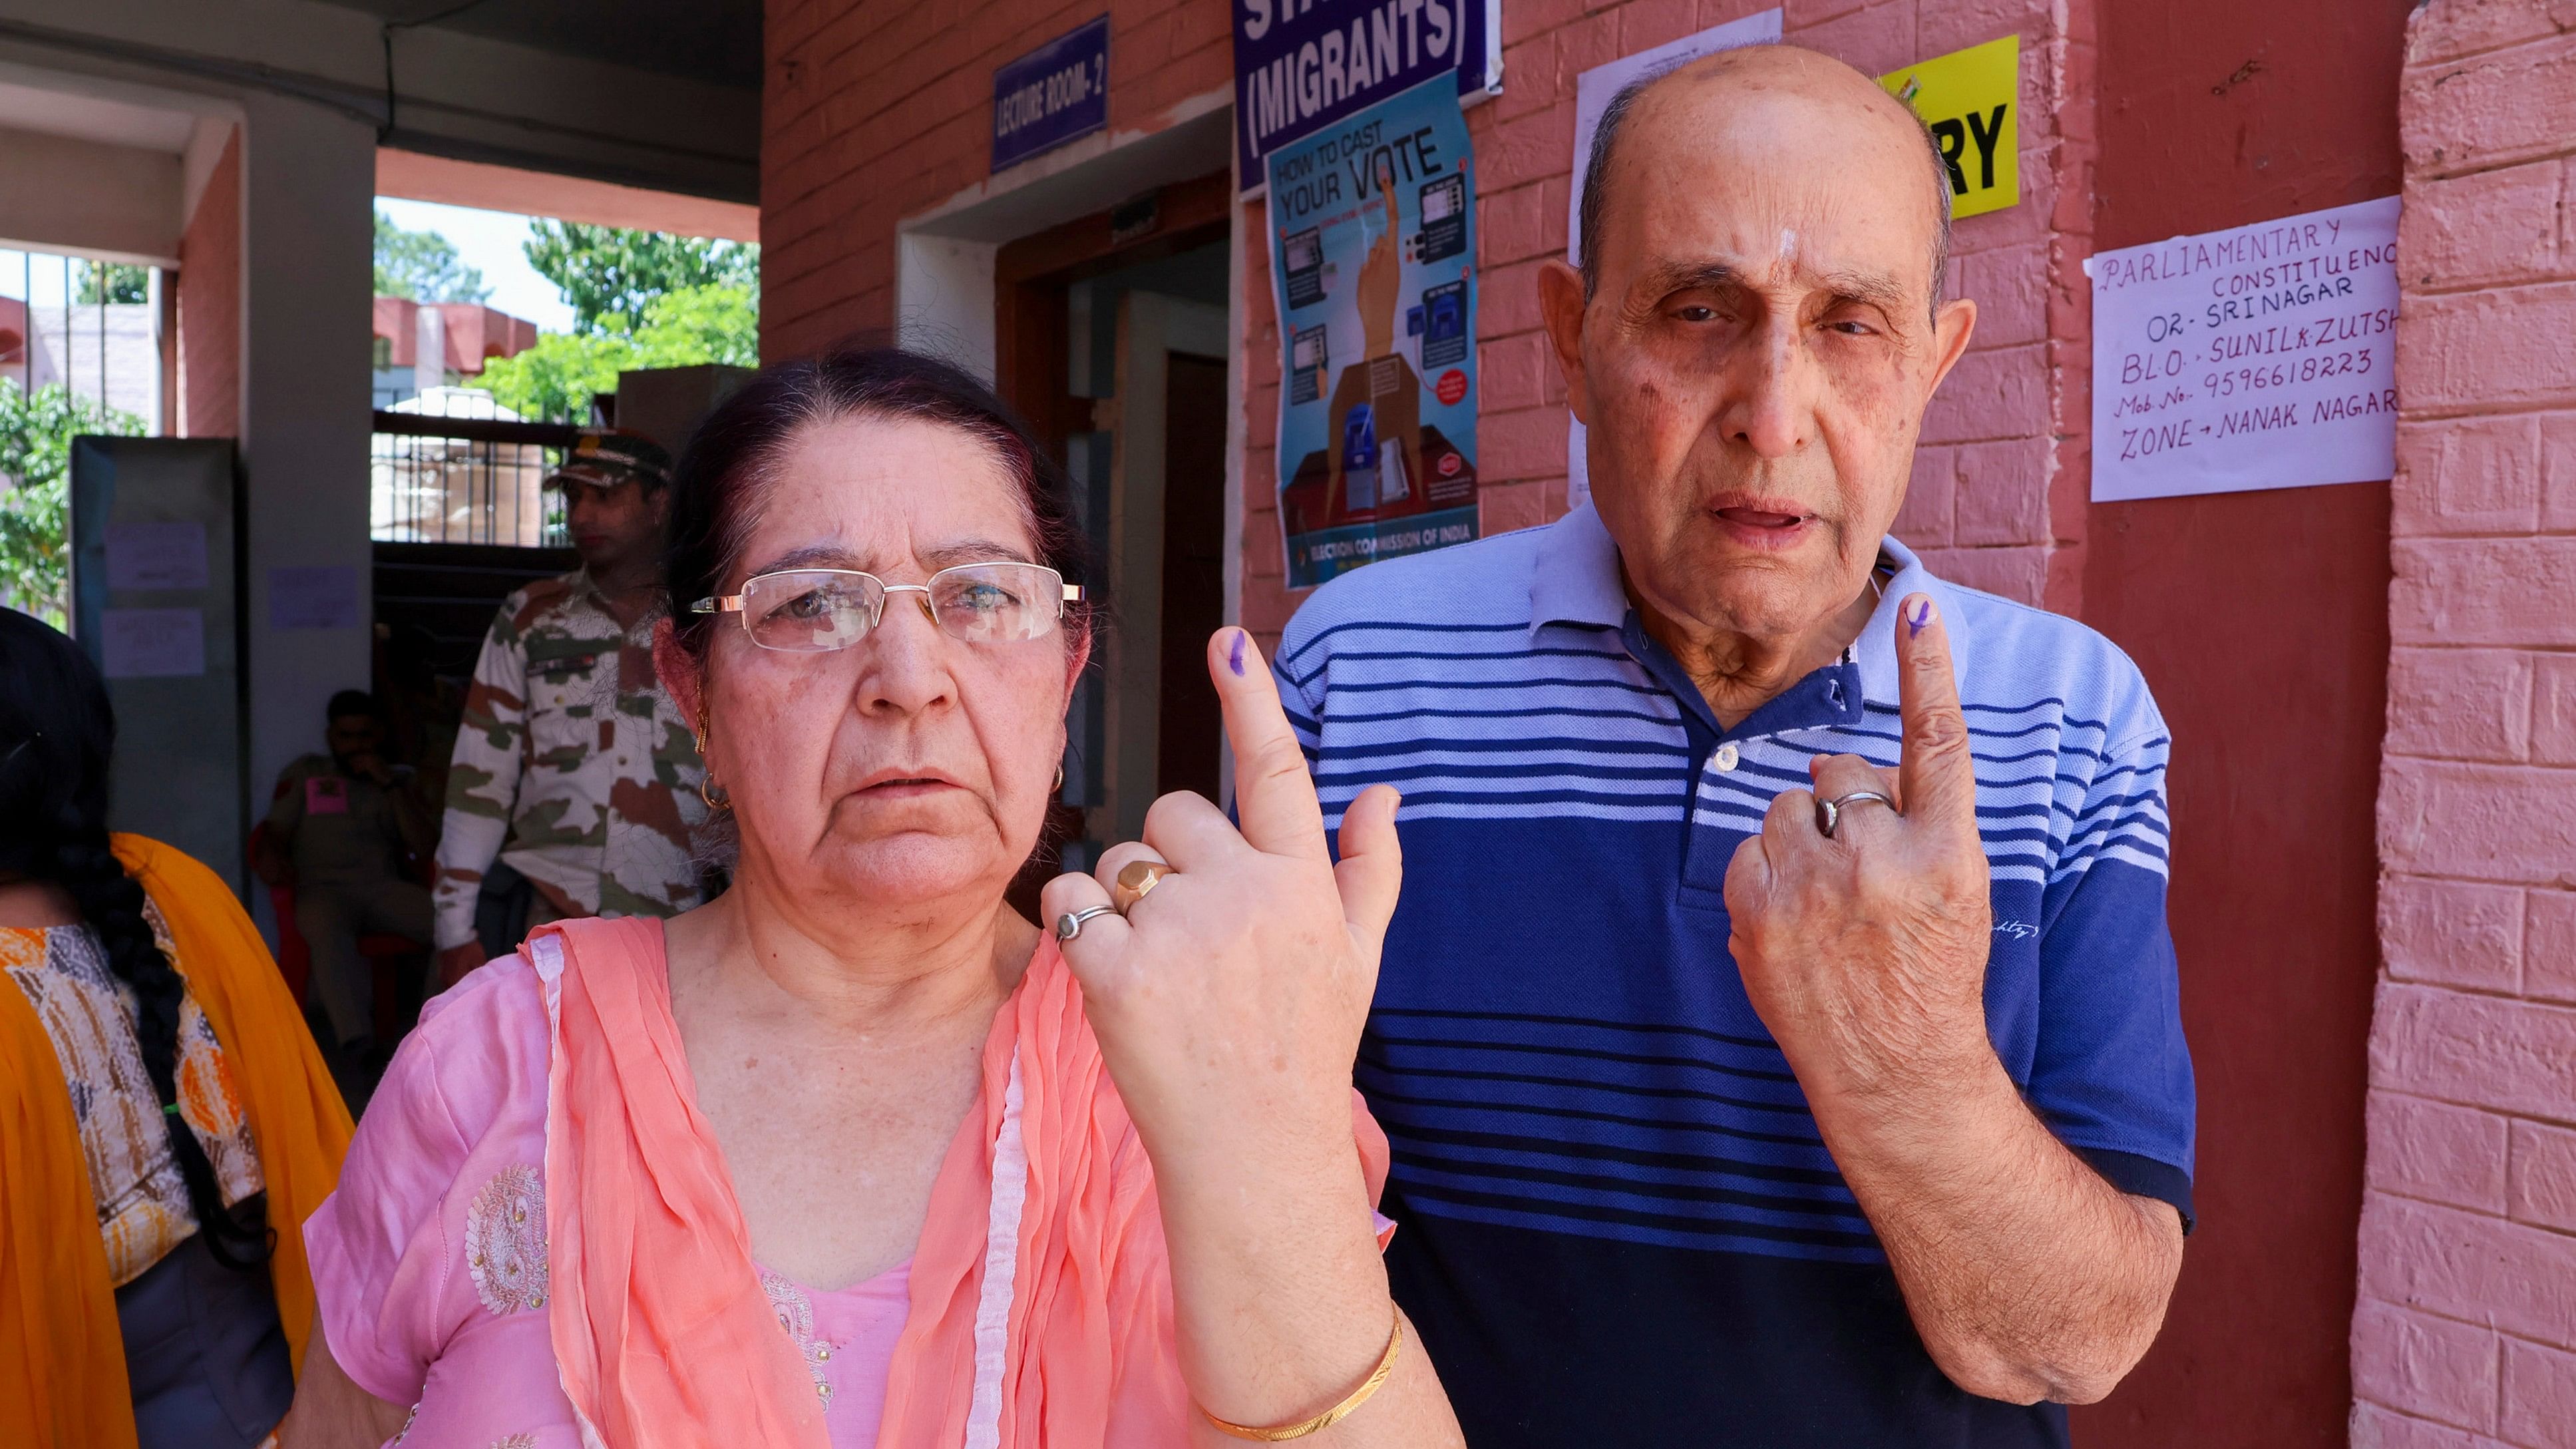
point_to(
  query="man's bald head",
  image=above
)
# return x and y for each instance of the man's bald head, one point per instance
(1752, 70)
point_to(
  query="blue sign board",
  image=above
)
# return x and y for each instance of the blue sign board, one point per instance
(1054, 94)
(1303, 65)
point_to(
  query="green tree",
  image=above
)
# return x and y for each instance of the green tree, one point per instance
(122, 281)
(555, 378)
(700, 324)
(423, 266)
(35, 461)
(607, 271)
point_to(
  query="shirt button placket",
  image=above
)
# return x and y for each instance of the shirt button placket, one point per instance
(1724, 757)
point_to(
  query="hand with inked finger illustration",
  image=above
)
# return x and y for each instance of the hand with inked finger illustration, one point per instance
(1864, 951)
(1381, 281)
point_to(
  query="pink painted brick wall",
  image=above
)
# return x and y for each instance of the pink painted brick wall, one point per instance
(2000, 482)
(876, 110)
(2465, 1333)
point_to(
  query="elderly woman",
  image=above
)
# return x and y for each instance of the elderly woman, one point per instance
(854, 1154)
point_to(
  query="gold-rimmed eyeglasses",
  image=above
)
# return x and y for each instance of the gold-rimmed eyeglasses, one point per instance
(811, 611)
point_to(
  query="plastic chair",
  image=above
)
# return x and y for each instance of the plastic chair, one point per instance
(382, 949)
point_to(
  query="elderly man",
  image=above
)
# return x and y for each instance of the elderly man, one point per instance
(1778, 1034)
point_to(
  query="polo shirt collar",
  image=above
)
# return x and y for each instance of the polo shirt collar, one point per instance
(1574, 574)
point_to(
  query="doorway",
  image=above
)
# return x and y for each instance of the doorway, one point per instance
(1112, 335)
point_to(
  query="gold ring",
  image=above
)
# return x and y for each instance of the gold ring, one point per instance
(1136, 880)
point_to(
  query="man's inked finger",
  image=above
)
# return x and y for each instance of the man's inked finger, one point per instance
(1273, 795)
(1938, 778)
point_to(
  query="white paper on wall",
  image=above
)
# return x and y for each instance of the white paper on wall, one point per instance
(156, 555)
(2257, 357)
(1592, 92)
(152, 643)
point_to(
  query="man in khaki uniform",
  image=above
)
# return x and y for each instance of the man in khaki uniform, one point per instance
(341, 828)
(574, 784)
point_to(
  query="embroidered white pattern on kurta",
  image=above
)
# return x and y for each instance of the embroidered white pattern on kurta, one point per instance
(505, 1241)
(516, 1441)
(796, 1315)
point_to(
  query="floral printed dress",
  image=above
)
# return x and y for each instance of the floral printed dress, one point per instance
(430, 1260)
(143, 1209)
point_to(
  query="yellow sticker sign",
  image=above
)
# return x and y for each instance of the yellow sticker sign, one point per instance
(1970, 99)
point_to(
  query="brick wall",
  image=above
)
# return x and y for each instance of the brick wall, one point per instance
(2000, 482)
(878, 110)
(210, 289)
(2465, 1333)
(882, 109)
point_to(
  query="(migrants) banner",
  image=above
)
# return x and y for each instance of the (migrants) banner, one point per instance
(1301, 67)
(1372, 272)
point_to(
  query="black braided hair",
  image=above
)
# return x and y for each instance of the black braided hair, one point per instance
(57, 733)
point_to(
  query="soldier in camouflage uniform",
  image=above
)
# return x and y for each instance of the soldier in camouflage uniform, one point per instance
(572, 769)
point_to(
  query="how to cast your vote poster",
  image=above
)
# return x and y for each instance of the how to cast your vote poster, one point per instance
(1372, 270)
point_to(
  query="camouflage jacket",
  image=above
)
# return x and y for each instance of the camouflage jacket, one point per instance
(571, 766)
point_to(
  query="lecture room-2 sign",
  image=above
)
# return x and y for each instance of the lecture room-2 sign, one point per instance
(1970, 99)
(1056, 93)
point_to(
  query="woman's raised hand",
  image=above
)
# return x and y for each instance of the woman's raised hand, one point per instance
(1229, 1000)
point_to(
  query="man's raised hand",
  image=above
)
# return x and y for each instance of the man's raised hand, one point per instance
(1865, 951)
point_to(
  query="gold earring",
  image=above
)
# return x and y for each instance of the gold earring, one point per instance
(1059, 777)
(716, 797)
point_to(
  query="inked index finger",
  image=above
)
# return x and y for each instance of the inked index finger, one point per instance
(1936, 775)
(1274, 797)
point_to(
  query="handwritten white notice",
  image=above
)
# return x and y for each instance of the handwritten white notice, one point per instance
(2259, 357)
(156, 555)
(152, 643)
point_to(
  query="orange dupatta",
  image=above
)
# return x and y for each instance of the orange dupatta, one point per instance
(62, 1359)
(1041, 1296)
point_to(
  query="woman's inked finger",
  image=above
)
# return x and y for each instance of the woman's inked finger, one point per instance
(1272, 791)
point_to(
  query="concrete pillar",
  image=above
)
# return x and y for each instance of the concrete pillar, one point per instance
(308, 182)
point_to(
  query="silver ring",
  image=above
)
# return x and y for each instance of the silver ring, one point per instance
(1069, 925)
(1829, 813)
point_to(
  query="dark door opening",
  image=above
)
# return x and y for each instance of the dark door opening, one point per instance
(1193, 571)
(1083, 312)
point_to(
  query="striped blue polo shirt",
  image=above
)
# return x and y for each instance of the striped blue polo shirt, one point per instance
(1619, 1224)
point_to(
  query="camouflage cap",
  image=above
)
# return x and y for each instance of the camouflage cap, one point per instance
(606, 457)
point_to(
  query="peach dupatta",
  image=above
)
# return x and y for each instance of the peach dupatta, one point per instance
(1041, 1288)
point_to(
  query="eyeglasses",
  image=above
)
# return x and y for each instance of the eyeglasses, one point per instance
(811, 611)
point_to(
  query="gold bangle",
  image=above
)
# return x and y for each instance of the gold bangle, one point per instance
(1334, 1415)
